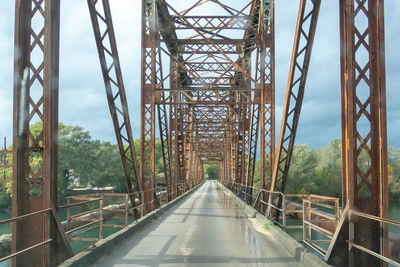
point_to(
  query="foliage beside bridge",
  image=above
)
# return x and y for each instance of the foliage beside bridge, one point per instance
(97, 163)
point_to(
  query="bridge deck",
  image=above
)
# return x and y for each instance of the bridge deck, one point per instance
(206, 229)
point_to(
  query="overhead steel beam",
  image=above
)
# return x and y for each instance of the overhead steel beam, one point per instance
(218, 84)
(236, 22)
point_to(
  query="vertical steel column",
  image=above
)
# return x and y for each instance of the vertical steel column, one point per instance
(202, 171)
(240, 144)
(364, 124)
(302, 48)
(35, 100)
(181, 137)
(198, 171)
(189, 157)
(174, 129)
(147, 113)
(234, 144)
(179, 143)
(246, 124)
(267, 81)
(252, 149)
(163, 122)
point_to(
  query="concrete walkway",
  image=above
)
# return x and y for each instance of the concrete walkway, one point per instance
(206, 229)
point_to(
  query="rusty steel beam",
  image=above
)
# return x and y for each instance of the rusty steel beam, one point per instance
(196, 68)
(364, 131)
(147, 106)
(212, 88)
(252, 149)
(266, 77)
(180, 144)
(302, 48)
(218, 106)
(173, 123)
(163, 126)
(36, 100)
(239, 149)
(236, 22)
(165, 147)
(101, 18)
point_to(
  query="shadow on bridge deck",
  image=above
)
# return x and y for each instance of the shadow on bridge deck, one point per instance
(206, 229)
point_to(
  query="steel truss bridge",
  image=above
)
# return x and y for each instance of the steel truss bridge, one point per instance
(208, 90)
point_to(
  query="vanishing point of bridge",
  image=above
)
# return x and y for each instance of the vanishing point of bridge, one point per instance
(208, 93)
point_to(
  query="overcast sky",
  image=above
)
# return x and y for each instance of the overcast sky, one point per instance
(82, 94)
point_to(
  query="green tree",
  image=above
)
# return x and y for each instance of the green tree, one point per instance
(75, 152)
(328, 180)
(93, 162)
(394, 174)
(302, 170)
(211, 171)
(108, 170)
(256, 181)
(5, 196)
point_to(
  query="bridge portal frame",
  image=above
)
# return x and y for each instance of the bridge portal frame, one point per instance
(249, 107)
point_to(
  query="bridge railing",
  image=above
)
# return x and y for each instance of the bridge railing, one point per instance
(84, 215)
(29, 248)
(327, 208)
(317, 216)
(90, 212)
(391, 254)
(320, 219)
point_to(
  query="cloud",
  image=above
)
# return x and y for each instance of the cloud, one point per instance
(82, 93)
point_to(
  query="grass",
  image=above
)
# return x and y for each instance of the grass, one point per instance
(267, 224)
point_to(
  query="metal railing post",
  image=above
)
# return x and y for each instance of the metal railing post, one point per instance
(304, 219)
(126, 208)
(337, 213)
(100, 219)
(284, 211)
(309, 219)
(68, 214)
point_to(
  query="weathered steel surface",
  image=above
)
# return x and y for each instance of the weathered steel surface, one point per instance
(302, 48)
(100, 14)
(217, 106)
(35, 100)
(365, 187)
(208, 84)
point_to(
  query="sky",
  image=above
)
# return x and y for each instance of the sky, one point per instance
(82, 94)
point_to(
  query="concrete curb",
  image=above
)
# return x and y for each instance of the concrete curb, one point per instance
(286, 241)
(91, 255)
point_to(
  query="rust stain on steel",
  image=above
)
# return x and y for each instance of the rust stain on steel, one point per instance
(35, 99)
(365, 188)
(101, 18)
(213, 99)
(302, 48)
